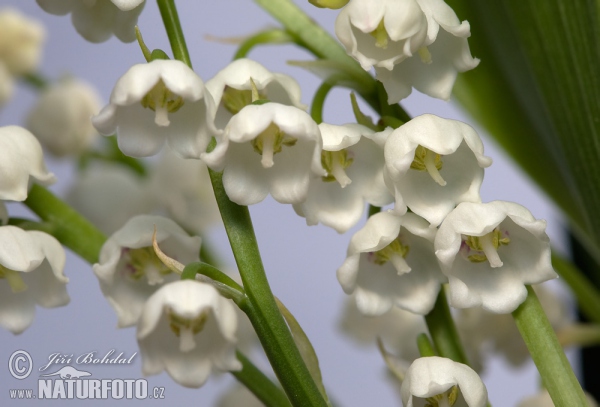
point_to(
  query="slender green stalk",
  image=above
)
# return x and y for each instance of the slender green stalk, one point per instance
(272, 36)
(170, 18)
(443, 331)
(555, 370)
(586, 293)
(259, 384)
(425, 346)
(316, 108)
(27, 224)
(190, 271)
(261, 308)
(70, 228)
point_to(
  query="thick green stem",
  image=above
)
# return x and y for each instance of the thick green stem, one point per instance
(259, 384)
(69, 227)
(262, 309)
(587, 296)
(443, 331)
(425, 346)
(555, 370)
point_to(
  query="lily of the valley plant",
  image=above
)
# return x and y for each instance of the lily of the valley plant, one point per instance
(423, 239)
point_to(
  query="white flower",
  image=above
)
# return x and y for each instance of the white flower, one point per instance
(31, 265)
(542, 399)
(484, 332)
(442, 382)
(20, 42)
(231, 88)
(109, 195)
(183, 188)
(489, 251)
(238, 395)
(353, 158)
(98, 20)
(268, 149)
(158, 101)
(61, 118)
(129, 271)
(7, 84)
(411, 43)
(21, 159)
(390, 262)
(396, 328)
(186, 327)
(432, 164)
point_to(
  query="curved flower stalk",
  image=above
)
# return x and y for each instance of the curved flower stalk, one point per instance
(160, 101)
(489, 251)
(186, 328)
(183, 188)
(432, 164)
(397, 328)
(21, 161)
(442, 382)
(231, 88)
(31, 271)
(98, 20)
(390, 261)
(109, 195)
(268, 149)
(411, 43)
(353, 158)
(61, 117)
(129, 271)
(21, 42)
(485, 332)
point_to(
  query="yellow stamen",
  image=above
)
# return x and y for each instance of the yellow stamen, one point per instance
(14, 279)
(186, 328)
(486, 247)
(395, 253)
(335, 163)
(162, 102)
(380, 35)
(270, 142)
(427, 160)
(445, 399)
(425, 55)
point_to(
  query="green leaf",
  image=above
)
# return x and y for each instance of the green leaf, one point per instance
(536, 92)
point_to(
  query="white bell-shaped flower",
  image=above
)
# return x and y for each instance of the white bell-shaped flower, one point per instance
(397, 328)
(268, 149)
(98, 20)
(381, 33)
(186, 328)
(231, 88)
(432, 164)
(490, 251)
(109, 195)
(21, 42)
(163, 100)
(390, 261)
(238, 395)
(128, 269)
(31, 272)
(21, 161)
(441, 382)
(353, 158)
(61, 118)
(183, 189)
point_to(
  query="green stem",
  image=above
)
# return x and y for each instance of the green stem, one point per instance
(190, 271)
(316, 109)
(555, 370)
(272, 36)
(587, 296)
(443, 331)
(170, 18)
(425, 346)
(373, 210)
(259, 384)
(27, 224)
(70, 228)
(261, 308)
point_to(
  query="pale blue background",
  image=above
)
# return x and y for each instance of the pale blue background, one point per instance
(300, 260)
